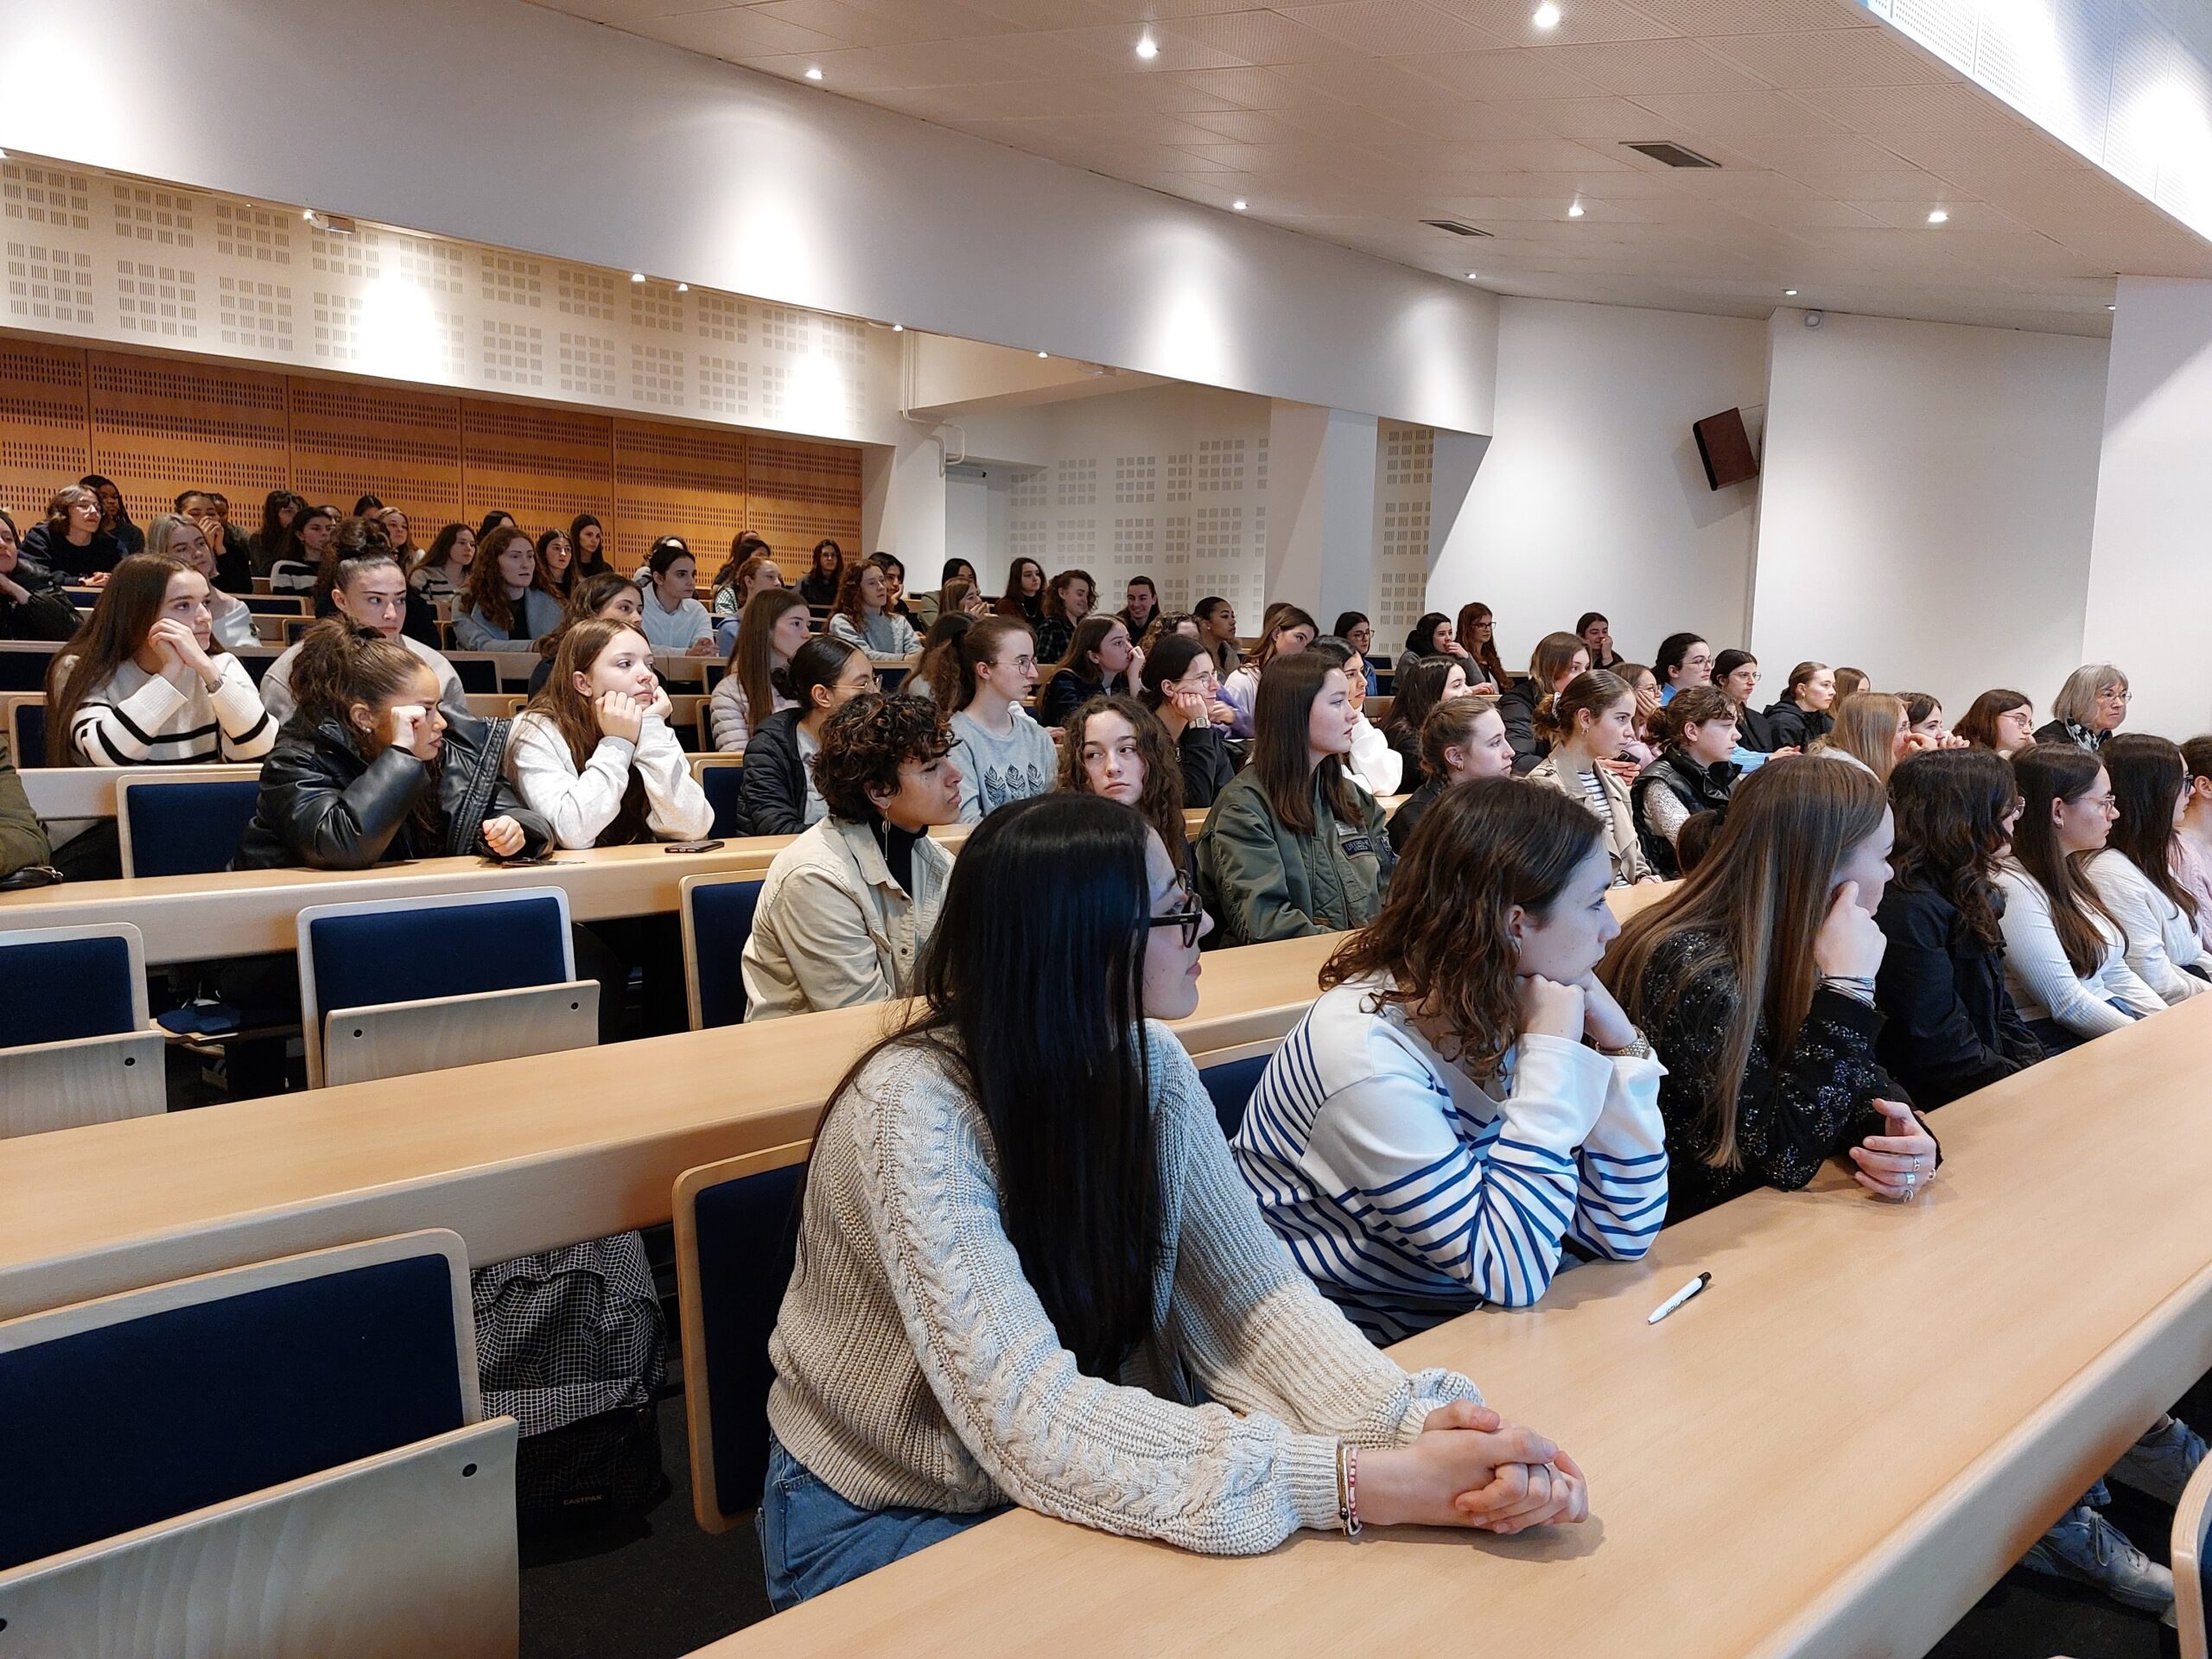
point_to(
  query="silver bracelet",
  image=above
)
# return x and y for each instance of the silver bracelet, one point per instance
(1859, 987)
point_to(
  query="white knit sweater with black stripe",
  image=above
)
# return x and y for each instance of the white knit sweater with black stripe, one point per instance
(171, 719)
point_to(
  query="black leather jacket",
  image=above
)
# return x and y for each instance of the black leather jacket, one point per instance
(323, 806)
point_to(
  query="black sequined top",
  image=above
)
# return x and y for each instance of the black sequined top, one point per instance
(1794, 1112)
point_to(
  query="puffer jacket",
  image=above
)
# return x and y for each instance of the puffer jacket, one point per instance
(1264, 881)
(325, 807)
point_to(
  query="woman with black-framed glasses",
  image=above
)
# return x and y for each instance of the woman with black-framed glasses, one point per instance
(1027, 1273)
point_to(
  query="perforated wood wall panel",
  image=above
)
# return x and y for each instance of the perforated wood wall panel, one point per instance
(544, 465)
(797, 493)
(402, 445)
(45, 440)
(673, 480)
(159, 426)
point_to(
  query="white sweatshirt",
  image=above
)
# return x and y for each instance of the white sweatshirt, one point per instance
(2044, 984)
(2160, 941)
(1374, 762)
(580, 805)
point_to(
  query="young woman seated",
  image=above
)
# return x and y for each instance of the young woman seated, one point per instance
(368, 595)
(1684, 660)
(1217, 619)
(1354, 628)
(1923, 725)
(2191, 851)
(778, 788)
(500, 606)
(2088, 708)
(776, 624)
(296, 569)
(1427, 685)
(755, 575)
(1292, 847)
(1375, 765)
(1434, 1133)
(1737, 673)
(174, 537)
(1181, 690)
(1285, 631)
(70, 542)
(2065, 958)
(937, 672)
(1693, 774)
(1597, 635)
(2133, 875)
(1461, 741)
(1557, 659)
(1755, 983)
(1101, 662)
(2003, 721)
(556, 565)
(144, 682)
(32, 603)
(1641, 749)
(1023, 596)
(1027, 1272)
(1114, 747)
(592, 753)
(1804, 714)
(894, 587)
(1476, 631)
(848, 907)
(442, 572)
(1432, 636)
(1587, 725)
(1071, 598)
(373, 769)
(863, 618)
(825, 574)
(1003, 755)
(603, 594)
(1871, 733)
(672, 618)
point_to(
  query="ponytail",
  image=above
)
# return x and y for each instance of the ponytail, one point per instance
(338, 667)
(1595, 690)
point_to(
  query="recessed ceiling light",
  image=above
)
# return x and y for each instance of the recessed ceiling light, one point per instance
(2111, 308)
(307, 214)
(1240, 204)
(1939, 217)
(1044, 353)
(637, 275)
(898, 327)
(1472, 275)
(1547, 16)
(1147, 48)
(814, 72)
(684, 288)
(1789, 293)
(1574, 210)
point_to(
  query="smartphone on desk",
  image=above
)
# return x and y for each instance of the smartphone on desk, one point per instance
(693, 847)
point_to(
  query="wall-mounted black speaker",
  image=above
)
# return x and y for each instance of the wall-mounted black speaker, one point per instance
(1726, 449)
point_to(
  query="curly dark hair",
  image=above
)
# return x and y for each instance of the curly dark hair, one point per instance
(1443, 940)
(867, 741)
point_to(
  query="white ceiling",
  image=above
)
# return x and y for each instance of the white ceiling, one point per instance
(1353, 120)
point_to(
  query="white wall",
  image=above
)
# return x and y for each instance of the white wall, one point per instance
(2150, 582)
(513, 124)
(1591, 496)
(1926, 499)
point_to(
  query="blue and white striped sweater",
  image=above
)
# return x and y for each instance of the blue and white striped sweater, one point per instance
(1408, 1194)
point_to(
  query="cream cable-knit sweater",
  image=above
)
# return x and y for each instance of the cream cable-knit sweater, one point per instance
(915, 1365)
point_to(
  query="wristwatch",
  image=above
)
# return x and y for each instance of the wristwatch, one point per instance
(1637, 1047)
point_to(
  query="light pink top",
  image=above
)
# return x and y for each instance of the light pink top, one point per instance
(2194, 872)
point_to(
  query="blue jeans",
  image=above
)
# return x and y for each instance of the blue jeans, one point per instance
(812, 1540)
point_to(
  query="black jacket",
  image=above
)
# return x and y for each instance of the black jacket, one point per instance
(818, 590)
(1951, 1026)
(2057, 731)
(773, 788)
(57, 554)
(1706, 790)
(1407, 818)
(1065, 693)
(1207, 767)
(1516, 707)
(1794, 728)
(1758, 732)
(323, 806)
(46, 614)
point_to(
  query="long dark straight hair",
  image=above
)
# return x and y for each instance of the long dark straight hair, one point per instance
(1950, 807)
(2148, 775)
(1036, 1010)
(1281, 718)
(2046, 773)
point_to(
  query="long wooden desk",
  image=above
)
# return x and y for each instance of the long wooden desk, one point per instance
(1869, 1416)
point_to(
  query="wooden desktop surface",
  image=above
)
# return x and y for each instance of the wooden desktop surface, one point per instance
(1834, 1451)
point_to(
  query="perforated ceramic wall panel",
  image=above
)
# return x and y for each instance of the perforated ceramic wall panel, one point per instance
(45, 440)
(544, 465)
(1405, 467)
(797, 493)
(402, 445)
(161, 425)
(684, 481)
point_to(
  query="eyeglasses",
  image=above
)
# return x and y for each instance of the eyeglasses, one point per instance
(1190, 916)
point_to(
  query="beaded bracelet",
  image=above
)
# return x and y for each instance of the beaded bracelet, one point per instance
(1348, 1488)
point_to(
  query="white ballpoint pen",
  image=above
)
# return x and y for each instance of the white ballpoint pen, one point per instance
(1679, 1298)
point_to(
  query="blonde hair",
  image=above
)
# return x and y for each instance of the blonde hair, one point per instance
(1867, 729)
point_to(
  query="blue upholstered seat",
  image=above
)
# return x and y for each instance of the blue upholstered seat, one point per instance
(743, 1234)
(63, 989)
(188, 828)
(405, 950)
(129, 1424)
(479, 676)
(24, 670)
(30, 729)
(718, 919)
(1231, 1083)
(724, 787)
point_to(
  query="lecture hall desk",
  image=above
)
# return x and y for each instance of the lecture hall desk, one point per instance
(1835, 1451)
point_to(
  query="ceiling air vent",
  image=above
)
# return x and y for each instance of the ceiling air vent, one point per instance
(1672, 155)
(1454, 227)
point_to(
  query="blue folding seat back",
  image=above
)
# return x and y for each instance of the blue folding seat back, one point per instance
(257, 667)
(189, 829)
(722, 921)
(480, 676)
(724, 789)
(64, 989)
(24, 670)
(134, 1423)
(744, 1235)
(30, 722)
(405, 953)
(1230, 1084)
(270, 604)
